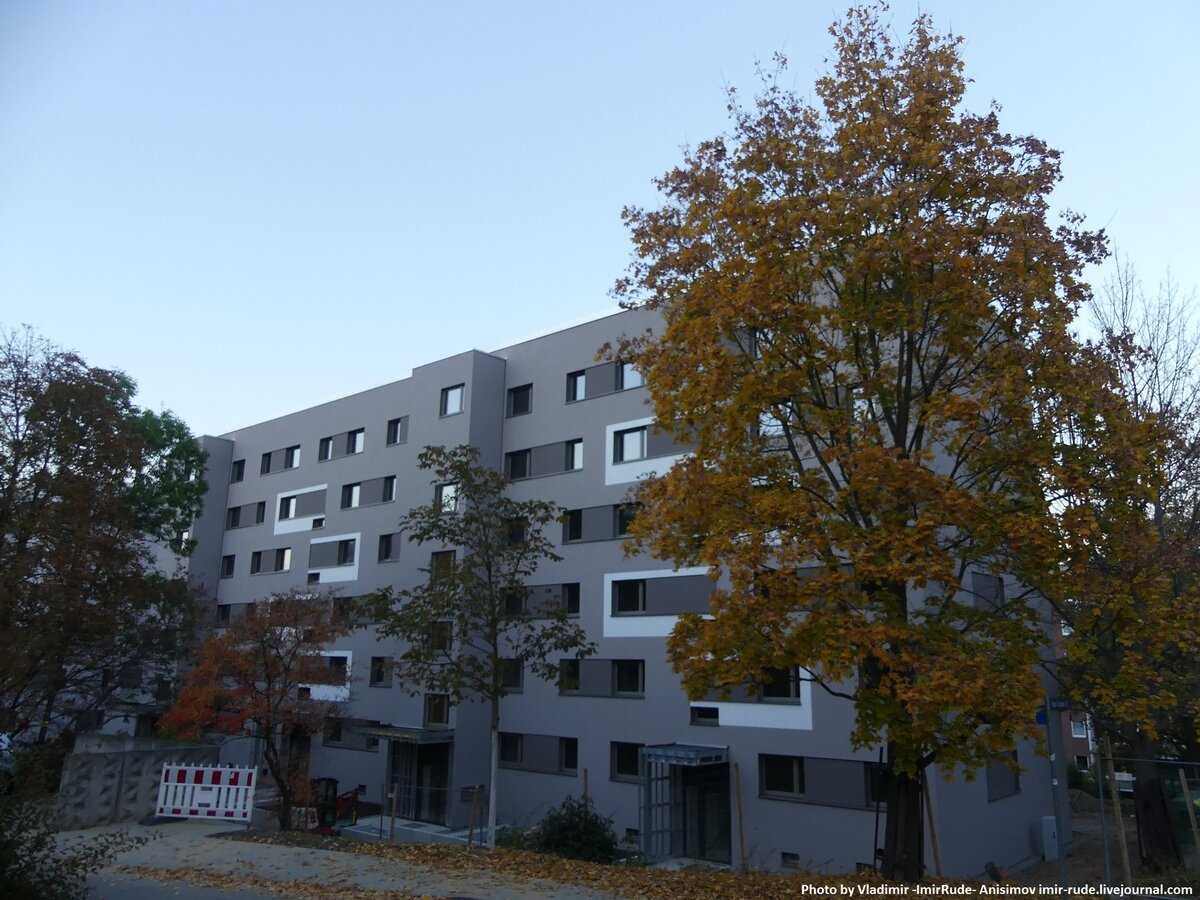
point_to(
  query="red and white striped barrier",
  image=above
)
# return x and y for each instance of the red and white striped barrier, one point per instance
(206, 792)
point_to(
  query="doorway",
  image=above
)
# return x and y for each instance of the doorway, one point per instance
(420, 773)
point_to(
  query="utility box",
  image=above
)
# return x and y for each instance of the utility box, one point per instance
(1049, 838)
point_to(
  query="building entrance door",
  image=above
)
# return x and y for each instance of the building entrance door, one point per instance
(421, 776)
(685, 802)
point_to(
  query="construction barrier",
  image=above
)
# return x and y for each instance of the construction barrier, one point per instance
(206, 792)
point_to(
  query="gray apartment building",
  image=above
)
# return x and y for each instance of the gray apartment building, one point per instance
(313, 498)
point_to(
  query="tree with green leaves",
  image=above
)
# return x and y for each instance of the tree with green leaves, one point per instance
(256, 678)
(475, 619)
(867, 339)
(87, 481)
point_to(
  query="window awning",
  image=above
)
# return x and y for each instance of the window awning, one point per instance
(411, 735)
(685, 754)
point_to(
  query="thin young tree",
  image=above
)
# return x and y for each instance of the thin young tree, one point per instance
(867, 340)
(1130, 595)
(474, 618)
(256, 677)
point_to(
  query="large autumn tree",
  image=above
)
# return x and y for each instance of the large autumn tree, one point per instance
(473, 626)
(87, 481)
(256, 678)
(866, 337)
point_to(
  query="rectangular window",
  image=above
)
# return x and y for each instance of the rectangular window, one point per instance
(568, 675)
(291, 457)
(233, 517)
(514, 603)
(437, 709)
(441, 636)
(625, 761)
(705, 715)
(568, 754)
(629, 377)
(237, 471)
(780, 776)
(570, 598)
(351, 495)
(623, 516)
(452, 401)
(512, 674)
(397, 430)
(629, 597)
(516, 465)
(441, 564)
(520, 400)
(389, 548)
(576, 385)
(511, 748)
(445, 498)
(346, 552)
(255, 562)
(333, 730)
(265, 467)
(325, 449)
(629, 444)
(381, 671)
(283, 559)
(355, 441)
(388, 494)
(337, 667)
(1078, 728)
(227, 563)
(780, 685)
(287, 507)
(318, 522)
(574, 460)
(260, 512)
(517, 530)
(789, 860)
(223, 614)
(628, 677)
(572, 525)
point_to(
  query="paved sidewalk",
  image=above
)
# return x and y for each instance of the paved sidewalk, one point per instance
(184, 860)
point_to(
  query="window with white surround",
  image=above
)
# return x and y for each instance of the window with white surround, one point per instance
(629, 445)
(287, 507)
(451, 401)
(1078, 728)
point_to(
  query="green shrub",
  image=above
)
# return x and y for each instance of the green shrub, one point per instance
(575, 830)
(35, 866)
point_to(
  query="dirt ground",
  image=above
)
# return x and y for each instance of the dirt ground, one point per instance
(1085, 857)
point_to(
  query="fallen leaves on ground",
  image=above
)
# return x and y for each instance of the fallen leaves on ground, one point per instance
(635, 883)
(300, 890)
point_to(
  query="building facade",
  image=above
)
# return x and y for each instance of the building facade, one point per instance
(314, 498)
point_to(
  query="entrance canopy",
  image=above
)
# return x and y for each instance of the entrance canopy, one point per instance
(685, 754)
(412, 735)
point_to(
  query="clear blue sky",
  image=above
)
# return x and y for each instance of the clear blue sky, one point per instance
(252, 207)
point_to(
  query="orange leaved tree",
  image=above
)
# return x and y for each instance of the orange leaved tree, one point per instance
(867, 341)
(258, 677)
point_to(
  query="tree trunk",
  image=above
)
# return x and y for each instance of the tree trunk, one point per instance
(1156, 840)
(491, 820)
(274, 766)
(903, 837)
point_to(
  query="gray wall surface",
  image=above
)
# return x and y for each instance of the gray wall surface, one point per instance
(107, 786)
